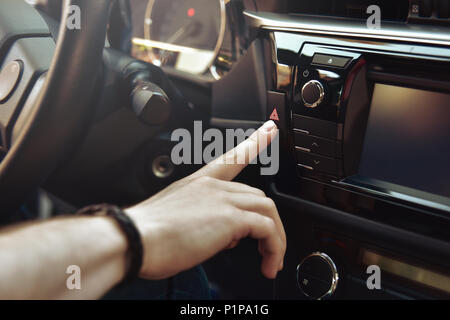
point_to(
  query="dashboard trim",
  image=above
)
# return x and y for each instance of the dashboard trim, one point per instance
(348, 28)
(408, 242)
(396, 195)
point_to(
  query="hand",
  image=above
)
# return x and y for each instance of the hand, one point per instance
(204, 213)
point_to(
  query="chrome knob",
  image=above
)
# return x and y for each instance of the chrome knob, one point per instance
(313, 94)
(317, 276)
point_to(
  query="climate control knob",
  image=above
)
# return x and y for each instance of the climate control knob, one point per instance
(317, 276)
(313, 94)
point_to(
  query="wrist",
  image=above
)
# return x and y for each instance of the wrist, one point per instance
(150, 231)
(117, 244)
(134, 252)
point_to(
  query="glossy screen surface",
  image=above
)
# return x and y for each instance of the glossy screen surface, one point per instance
(407, 140)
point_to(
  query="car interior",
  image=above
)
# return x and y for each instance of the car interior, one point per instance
(359, 90)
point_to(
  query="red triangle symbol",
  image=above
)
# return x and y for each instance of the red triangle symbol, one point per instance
(274, 115)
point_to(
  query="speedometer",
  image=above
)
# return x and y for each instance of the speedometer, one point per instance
(184, 34)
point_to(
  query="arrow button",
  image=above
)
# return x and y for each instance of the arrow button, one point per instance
(325, 147)
(319, 163)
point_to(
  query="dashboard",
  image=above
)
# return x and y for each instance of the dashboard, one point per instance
(364, 125)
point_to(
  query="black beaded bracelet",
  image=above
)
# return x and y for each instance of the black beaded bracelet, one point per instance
(129, 229)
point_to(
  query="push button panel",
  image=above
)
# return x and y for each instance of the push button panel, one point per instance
(319, 108)
(321, 146)
(318, 145)
(320, 79)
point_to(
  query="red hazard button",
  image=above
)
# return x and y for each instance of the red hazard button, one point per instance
(276, 109)
(274, 115)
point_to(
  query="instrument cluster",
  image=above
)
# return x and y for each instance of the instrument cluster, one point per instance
(199, 37)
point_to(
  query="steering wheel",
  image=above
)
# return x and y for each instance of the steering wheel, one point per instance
(44, 114)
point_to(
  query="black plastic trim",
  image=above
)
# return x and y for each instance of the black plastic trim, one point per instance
(407, 242)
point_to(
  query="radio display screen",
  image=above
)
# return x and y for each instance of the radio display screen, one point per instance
(407, 140)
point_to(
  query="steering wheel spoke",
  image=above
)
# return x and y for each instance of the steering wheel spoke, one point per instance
(26, 61)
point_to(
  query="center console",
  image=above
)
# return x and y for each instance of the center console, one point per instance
(374, 121)
(364, 182)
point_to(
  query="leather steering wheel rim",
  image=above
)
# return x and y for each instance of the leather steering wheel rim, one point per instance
(63, 108)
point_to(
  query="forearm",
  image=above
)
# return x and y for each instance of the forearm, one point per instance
(180, 227)
(34, 258)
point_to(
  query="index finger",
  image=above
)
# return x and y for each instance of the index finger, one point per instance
(228, 166)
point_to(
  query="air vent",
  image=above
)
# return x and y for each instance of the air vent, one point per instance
(396, 11)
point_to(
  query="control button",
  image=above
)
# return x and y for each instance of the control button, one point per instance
(332, 61)
(151, 104)
(426, 8)
(325, 147)
(9, 77)
(306, 73)
(319, 163)
(313, 94)
(274, 115)
(317, 276)
(444, 9)
(276, 104)
(316, 127)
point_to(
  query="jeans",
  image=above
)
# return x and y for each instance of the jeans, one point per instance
(188, 285)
